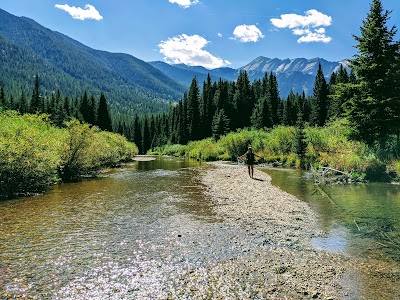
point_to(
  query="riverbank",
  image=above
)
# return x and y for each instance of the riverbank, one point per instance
(286, 266)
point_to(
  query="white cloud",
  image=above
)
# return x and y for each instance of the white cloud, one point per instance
(89, 12)
(184, 3)
(219, 34)
(312, 18)
(311, 26)
(188, 50)
(247, 33)
(314, 37)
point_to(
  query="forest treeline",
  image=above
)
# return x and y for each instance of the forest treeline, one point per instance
(221, 107)
(85, 108)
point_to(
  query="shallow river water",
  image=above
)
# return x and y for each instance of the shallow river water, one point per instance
(359, 219)
(135, 232)
(131, 234)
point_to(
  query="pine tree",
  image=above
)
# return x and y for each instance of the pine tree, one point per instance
(220, 124)
(104, 117)
(146, 138)
(37, 102)
(260, 117)
(244, 101)
(2, 98)
(92, 110)
(319, 105)
(274, 99)
(374, 112)
(193, 111)
(23, 104)
(67, 106)
(342, 75)
(11, 103)
(86, 109)
(137, 133)
(206, 107)
(300, 141)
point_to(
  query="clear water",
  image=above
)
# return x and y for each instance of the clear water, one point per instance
(361, 219)
(135, 232)
(131, 234)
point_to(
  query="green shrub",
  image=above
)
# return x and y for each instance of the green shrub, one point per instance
(29, 153)
(86, 150)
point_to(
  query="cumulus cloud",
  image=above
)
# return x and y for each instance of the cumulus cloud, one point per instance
(311, 26)
(184, 3)
(89, 12)
(189, 50)
(247, 33)
(219, 34)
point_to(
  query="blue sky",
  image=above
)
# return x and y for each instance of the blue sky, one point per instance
(211, 33)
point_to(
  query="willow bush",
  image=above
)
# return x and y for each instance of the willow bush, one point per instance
(29, 153)
(35, 155)
(86, 150)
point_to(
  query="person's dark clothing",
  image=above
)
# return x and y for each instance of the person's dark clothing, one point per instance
(250, 159)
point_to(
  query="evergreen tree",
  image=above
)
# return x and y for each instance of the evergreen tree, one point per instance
(193, 111)
(92, 110)
(374, 111)
(220, 124)
(206, 107)
(11, 103)
(2, 98)
(146, 137)
(137, 133)
(23, 104)
(104, 118)
(319, 105)
(274, 99)
(261, 114)
(37, 102)
(300, 141)
(332, 82)
(353, 78)
(244, 101)
(67, 106)
(87, 108)
(342, 75)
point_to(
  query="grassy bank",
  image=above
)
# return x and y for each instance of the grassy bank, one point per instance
(322, 146)
(34, 154)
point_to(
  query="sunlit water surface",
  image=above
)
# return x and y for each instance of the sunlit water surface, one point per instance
(130, 234)
(135, 232)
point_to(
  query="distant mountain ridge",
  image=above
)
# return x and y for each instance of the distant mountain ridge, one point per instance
(71, 67)
(303, 65)
(130, 84)
(295, 75)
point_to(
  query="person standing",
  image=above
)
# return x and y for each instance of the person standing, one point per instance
(250, 160)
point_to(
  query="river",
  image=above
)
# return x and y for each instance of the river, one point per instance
(135, 232)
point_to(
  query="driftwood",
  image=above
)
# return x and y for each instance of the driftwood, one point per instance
(328, 175)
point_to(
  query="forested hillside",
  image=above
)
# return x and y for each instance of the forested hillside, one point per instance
(64, 64)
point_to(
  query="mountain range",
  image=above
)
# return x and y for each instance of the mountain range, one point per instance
(131, 84)
(295, 75)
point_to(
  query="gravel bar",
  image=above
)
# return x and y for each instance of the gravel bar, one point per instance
(285, 266)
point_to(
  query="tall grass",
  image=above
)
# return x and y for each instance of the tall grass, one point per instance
(325, 146)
